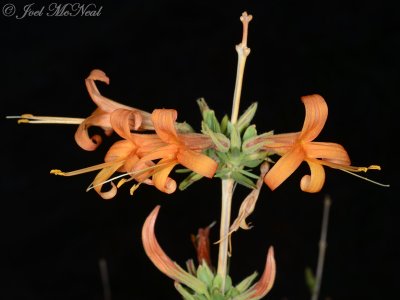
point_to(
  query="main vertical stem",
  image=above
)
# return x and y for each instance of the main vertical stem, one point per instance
(226, 201)
(228, 184)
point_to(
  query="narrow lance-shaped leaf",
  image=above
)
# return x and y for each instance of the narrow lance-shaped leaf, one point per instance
(246, 118)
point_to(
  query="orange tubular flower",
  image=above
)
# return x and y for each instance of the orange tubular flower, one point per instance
(162, 261)
(300, 146)
(101, 116)
(120, 157)
(175, 149)
(134, 155)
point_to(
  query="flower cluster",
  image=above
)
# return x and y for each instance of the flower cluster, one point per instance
(145, 157)
(151, 145)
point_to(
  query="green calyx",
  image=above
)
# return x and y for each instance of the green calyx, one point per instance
(214, 286)
(237, 147)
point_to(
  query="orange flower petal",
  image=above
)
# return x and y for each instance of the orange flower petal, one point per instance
(120, 149)
(197, 162)
(164, 124)
(196, 141)
(331, 152)
(160, 177)
(285, 167)
(102, 102)
(264, 285)
(281, 143)
(125, 120)
(316, 115)
(313, 183)
(168, 151)
(98, 118)
(162, 261)
(148, 143)
(104, 175)
(153, 249)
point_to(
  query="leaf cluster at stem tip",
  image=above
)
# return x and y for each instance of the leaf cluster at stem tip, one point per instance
(235, 146)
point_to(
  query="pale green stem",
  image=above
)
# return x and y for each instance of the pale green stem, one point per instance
(322, 248)
(226, 201)
(228, 184)
(238, 88)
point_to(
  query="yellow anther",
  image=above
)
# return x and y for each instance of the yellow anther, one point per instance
(57, 172)
(374, 167)
(134, 188)
(27, 116)
(20, 121)
(121, 182)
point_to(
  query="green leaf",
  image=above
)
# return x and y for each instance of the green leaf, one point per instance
(247, 116)
(217, 282)
(218, 296)
(224, 124)
(252, 163)
(211, 120)
(204, 274)
(192, 178)
(228, 283)
(235, 136)
(208, 115)
(243, 180)
(255, 143)
(220, 141)
(184, 292)
(201, 102)
(249, 174)
(184, 128)
(250, 132)
(245, 283)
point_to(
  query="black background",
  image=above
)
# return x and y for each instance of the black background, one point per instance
(167, 54)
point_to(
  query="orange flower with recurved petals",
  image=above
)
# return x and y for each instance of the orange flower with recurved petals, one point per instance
(184, 149)
(101, 116)
(149, 158)
(300, 146)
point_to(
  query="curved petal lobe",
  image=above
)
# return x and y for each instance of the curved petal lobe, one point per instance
(313, 183)
(197, 162)
(98, 118)
(164, 124)
(285, 167)
(161, 179)
(331, 152)
(316, 116)
(125, 120)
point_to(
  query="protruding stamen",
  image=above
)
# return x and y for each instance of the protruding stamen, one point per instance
(365, 178)
(133, 174)
(29, 118)
(85, 170)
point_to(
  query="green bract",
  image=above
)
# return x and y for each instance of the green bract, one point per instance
(237, 147)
